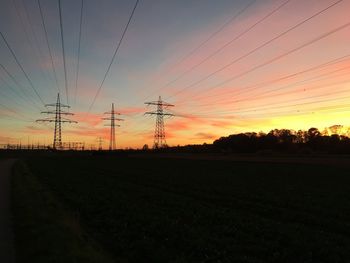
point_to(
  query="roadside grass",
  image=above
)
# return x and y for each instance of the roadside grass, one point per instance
(174, 210)
(44, 230)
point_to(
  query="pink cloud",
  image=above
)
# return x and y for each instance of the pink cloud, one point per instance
(89, 119)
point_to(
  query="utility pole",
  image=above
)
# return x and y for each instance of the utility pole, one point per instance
(58, 120)
(159, 134)
(113, 119)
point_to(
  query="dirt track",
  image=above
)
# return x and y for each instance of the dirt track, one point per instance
(7, 252)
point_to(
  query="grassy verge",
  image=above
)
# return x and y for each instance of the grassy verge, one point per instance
(44, 230)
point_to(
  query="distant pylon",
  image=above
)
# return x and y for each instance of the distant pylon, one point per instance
(58, 120)
(100, 141)
(159, 134)
(113, 119)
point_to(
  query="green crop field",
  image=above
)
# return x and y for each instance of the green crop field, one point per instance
(178, 210)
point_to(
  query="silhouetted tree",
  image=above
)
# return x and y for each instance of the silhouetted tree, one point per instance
(313, 133)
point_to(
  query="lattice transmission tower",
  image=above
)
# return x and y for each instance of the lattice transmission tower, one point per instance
(113, 119)
(58, 120)
(159, 134)
(100, 142)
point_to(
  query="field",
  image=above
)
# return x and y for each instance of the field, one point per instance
(181, 210)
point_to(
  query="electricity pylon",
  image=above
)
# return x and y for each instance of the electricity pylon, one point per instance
(58, 120)
(100, 141)
(159, 134)
(113, 119)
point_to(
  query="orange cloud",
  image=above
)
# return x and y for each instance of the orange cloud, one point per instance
(38, 129)
(131, 110)
(102, 132)
(205, 136)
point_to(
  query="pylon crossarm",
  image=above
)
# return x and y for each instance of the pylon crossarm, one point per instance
(108, 125)
(152, 103)
(112, 112)
(167, 104)
(157, 103)
(54, 112)
(57, 104)
(48, 112)
(51, 105)
(159, 113)
(45, 120)
(68, 120)
(109, 119)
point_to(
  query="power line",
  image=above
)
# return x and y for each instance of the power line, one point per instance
(259, 96)
(9, 98)
(36, 51)
(287, 53)
(18, 94)
(21, 67)
(278, 113)
(114, 55)
(283, 55)
(11, 117)
(282, 104)
(48, 44)
(303, 112)
(13, 111)
(223, 46)
(222, 27)
(257, 86)
(263, 94)
(250, 88)
(313, 88)
(78, 59)
(256, 49)
(297, 104)
(270, 106)
(63, 51)
(297, 99)
(253, 87)
(36, 41)
(18, 85)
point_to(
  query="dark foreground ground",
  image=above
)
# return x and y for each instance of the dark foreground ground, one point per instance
(7, 252)
(119, 209)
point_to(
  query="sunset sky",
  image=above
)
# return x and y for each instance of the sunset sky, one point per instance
(228, 66)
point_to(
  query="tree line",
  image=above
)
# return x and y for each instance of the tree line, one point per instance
(277, 140)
